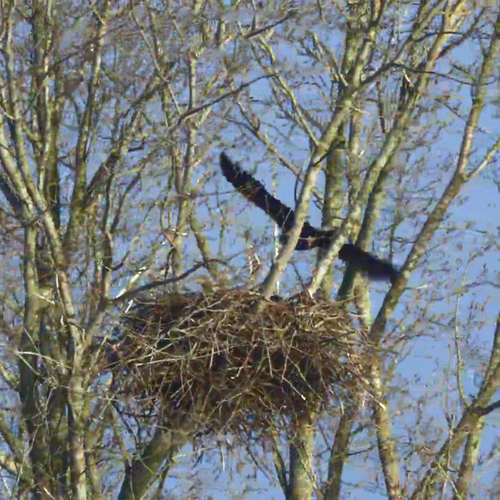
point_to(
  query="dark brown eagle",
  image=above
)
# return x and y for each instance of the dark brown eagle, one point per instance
(310, 237)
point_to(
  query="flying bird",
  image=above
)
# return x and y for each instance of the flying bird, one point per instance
(310, 237)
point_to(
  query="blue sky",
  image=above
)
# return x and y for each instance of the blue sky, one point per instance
(427, 373)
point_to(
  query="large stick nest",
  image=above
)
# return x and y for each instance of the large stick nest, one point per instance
(207, 357)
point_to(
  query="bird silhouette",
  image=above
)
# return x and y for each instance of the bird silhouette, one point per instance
(310, 237)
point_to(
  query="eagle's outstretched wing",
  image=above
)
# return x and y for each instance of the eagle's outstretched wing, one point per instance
(376, 269)
(310, 237)
(254, 191)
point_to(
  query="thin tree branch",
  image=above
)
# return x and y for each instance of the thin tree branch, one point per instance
(155, 284)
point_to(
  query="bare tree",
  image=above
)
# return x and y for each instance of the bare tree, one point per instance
(112, 119)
